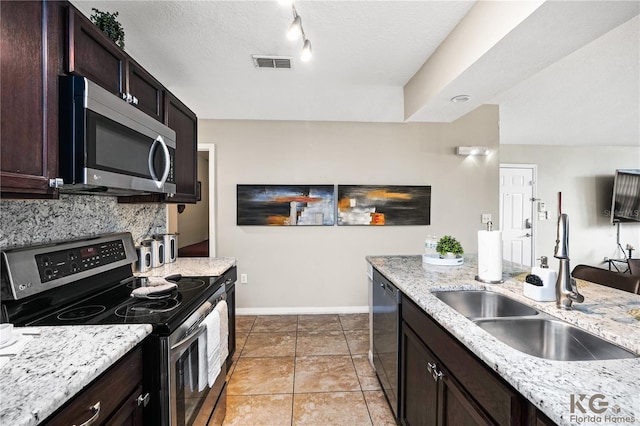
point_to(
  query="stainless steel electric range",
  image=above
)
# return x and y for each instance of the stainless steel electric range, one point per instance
(90, 281)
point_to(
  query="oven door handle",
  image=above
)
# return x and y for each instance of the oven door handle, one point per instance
(187, 341)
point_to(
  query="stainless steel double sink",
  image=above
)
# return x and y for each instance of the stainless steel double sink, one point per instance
(528, 330)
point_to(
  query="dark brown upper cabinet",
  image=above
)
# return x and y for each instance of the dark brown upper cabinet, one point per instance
(31, 43)
(93, 55)
(44, 40)
(185, 123)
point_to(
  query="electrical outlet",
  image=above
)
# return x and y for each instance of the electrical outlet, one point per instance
(486, 217)
(243, 278)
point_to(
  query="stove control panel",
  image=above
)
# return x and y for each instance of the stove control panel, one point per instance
(29, 270)
(64, 263)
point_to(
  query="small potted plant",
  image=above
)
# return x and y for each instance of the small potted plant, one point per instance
(109, 25)
(449, 247)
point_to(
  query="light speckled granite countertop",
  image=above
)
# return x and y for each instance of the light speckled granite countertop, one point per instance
(547, 384)
(57, 364)
(192, 267)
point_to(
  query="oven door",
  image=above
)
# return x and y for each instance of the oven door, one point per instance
(184, 369)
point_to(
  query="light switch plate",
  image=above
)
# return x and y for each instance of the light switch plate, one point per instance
(486, 217)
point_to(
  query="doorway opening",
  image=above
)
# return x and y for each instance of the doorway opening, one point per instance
(195, 223)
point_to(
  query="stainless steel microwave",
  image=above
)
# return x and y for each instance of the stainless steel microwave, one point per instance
(108, 146)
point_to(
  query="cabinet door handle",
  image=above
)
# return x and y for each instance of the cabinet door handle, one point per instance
(134, 100)
(143, 399)
(431, 368)
(95, 409)
(437, 375)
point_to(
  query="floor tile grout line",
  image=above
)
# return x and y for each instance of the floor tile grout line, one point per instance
(295, 357)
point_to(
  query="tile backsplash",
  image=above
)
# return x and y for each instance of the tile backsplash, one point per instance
(26, 222)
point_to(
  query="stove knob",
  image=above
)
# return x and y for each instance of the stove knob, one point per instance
(48, 274)
(46, 261)
(74, 267)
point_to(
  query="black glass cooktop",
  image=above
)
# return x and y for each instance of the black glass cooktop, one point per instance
(116, 305)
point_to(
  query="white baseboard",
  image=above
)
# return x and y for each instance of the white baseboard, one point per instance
(303, 311)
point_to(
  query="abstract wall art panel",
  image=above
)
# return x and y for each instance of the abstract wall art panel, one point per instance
(286, 205)
(384, 205)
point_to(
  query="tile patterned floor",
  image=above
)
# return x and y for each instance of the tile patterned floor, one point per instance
(304, 370)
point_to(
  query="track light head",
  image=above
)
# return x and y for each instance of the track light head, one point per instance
(306, 51)
(295, 29)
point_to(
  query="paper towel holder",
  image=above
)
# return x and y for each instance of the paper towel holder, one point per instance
(482, 280)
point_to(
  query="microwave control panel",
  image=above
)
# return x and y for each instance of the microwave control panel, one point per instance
(64, 263)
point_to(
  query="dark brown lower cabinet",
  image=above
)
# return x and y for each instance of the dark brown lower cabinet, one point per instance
(431, 395)
(443, 383)
(114, 398)
(419, 405)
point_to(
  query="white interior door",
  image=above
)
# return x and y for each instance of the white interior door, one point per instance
(516, 212)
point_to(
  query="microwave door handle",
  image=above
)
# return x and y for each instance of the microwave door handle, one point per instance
(167, 159)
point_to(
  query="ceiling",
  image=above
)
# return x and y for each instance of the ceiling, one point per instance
(563, 72)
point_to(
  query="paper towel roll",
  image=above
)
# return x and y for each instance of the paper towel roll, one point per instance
(490, 255)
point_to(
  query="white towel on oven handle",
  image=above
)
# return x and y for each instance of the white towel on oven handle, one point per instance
(203, 373)
(222, 309)
(211, 368)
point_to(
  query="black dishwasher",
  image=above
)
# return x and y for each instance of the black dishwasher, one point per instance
(386, 337)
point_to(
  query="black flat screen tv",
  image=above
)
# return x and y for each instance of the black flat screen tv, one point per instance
(625, 203)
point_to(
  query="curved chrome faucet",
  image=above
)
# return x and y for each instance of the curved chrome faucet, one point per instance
(566, 289)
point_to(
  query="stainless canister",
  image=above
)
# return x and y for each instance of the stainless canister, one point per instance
(143, 264)
(170, 247)
(157, 251)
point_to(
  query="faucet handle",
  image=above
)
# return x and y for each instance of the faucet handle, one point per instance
(574, 295)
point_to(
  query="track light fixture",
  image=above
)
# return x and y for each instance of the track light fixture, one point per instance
(306, 51)
(295, 31)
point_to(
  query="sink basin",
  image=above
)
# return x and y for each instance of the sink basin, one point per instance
(552, 339)
(484, 304)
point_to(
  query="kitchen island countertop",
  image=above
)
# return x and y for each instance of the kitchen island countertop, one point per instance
(549, 385)
(57, 364)
(192, 267)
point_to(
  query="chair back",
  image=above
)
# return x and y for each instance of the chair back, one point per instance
(626, 282)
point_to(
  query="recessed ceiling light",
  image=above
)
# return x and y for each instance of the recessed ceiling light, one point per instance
(461, 99)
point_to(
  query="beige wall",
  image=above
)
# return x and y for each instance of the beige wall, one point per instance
(323, 269)
(584, 175)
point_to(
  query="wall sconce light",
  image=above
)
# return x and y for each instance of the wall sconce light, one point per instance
(295, 31)
(472, 150)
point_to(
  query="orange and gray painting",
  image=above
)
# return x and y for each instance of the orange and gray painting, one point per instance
(286, 205)
(384, 205)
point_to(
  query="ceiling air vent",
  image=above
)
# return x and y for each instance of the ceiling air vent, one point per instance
(273, 62)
